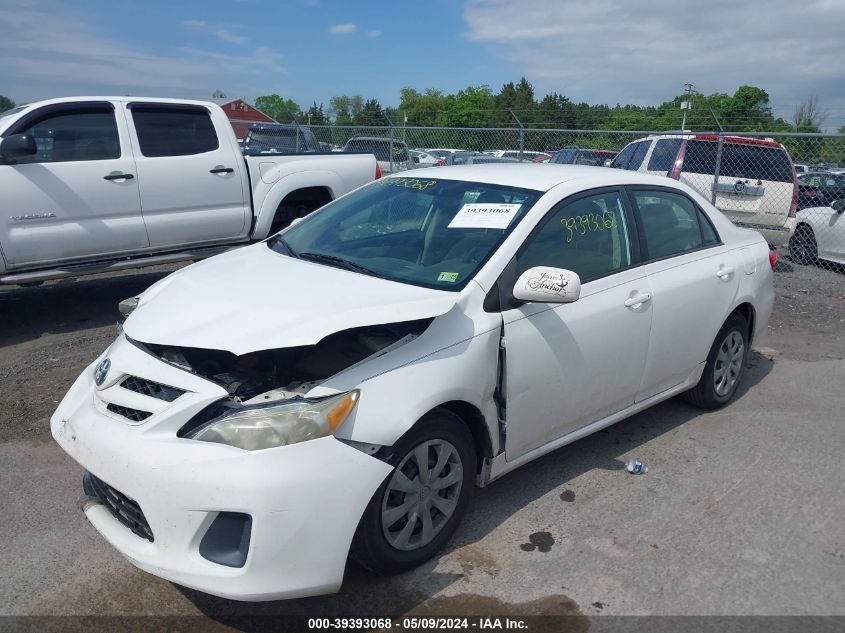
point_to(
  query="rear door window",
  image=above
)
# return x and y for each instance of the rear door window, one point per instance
(664, 154)
(173, 130)
(671, 223)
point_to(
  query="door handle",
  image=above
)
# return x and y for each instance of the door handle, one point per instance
(637, 300)
(221, 170)
(118, 177)
(725, 272)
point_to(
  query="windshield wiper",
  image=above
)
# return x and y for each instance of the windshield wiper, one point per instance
(339, 262)
(278, 239)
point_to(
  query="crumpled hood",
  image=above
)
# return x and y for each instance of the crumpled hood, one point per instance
(253, 299)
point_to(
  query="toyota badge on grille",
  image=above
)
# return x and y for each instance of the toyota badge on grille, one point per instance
(102, 371)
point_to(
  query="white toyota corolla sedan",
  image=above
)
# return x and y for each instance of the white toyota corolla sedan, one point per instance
(340, 388)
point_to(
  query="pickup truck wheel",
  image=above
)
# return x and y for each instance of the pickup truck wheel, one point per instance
(297, 205)
(417, 508)
(802, 245)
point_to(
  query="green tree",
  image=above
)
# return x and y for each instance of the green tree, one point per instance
(6, 103)
(282, 110)
(344, 108)
(370, 114)
(218, 94)
(316, 116)
(425, 109)
(518, 98)
(470, 107)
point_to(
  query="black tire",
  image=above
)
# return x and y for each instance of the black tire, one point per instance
(370, 546)
(705, 394)
(802, 245)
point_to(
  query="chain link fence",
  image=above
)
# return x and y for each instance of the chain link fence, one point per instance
(790, 187)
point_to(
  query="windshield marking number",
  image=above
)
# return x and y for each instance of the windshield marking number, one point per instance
(484, 216)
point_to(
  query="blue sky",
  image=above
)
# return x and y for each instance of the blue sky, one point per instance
(602, 51)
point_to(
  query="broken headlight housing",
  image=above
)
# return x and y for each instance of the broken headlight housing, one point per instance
(263, 426)
(127, 306)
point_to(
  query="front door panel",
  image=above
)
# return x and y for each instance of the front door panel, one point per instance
(572, 364)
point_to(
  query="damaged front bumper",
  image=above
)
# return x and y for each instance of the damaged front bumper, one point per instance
(297, 506)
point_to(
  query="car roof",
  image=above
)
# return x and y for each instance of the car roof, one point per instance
(540, 177)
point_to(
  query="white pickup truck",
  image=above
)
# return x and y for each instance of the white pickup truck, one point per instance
(95, 184)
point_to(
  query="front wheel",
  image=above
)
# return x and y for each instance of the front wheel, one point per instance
(802, 246)
(724, 367)
(417, 508)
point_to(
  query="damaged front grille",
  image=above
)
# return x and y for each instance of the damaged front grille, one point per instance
(124, 509)
(134, 415)
(150, 388)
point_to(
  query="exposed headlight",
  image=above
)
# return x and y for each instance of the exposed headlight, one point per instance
(278, 424)
(127, 306)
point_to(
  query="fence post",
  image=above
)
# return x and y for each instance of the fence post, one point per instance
(521, 133)
(718, 169)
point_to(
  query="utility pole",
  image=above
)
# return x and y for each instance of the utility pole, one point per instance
(686, 105)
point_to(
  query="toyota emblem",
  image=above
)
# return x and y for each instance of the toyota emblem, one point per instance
(102, 371)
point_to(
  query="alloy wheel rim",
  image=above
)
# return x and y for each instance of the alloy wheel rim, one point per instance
(728, 363)
(421, 495)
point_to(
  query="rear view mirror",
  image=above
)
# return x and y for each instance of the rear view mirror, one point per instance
(17, 146)
(838, 206)
(543, 284)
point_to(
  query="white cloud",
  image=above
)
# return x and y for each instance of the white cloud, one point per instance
(343, 29)
(84, 61)
(374, 33)
(223, 32)
(642, 51)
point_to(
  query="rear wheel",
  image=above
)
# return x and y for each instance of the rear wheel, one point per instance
(418, 507)
(802, 245)
(724, 367)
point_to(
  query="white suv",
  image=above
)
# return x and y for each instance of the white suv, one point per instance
(757, 187)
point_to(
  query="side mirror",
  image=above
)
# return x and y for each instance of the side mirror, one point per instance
(543, 284)
(416, 159)
(838, 206)
(18, 145)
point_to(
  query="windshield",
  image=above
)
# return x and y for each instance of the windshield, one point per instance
(426, 232)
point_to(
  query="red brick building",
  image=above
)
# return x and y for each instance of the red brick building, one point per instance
(242, 115)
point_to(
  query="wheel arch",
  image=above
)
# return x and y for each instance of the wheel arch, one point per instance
(472, 417)
(747, 312)
(310, 199)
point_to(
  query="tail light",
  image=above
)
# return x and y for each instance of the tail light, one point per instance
(440, 162)
(773, 258)
(810, 193)
(675, 172)
(378, 172)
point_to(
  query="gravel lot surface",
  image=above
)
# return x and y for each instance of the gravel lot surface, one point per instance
(740, 513)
